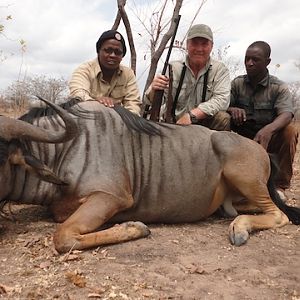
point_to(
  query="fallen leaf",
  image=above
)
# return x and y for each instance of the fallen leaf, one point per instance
(192, 269)
(94, 295)
(72, 257)
(45, 264)
(76, 279)
(4, 289)
(30, 243)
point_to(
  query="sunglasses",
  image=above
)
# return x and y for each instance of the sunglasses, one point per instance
(110, 50)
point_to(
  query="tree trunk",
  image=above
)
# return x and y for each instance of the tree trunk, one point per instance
(123, 15)
(167, 36)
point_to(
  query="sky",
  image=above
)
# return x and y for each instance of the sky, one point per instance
(60, 34)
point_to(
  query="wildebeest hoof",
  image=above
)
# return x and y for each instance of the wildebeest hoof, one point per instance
(139, 226)
(238, 238)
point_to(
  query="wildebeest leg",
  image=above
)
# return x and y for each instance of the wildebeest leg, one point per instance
(244, 206)
(229, 209)
(255, 190)
(78, 231)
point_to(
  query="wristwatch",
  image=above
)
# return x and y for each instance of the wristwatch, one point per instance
(194, 119)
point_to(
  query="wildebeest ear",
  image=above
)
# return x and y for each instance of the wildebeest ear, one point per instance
(42, 170)
(33, 165)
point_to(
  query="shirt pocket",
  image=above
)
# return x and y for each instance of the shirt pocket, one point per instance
(263, 105)
(118, 93)
(264, 112)
(243, 103)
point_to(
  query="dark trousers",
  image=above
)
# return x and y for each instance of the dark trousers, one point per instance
(283, 145)
(220, 121)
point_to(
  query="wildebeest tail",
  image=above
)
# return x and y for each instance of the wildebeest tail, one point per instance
(293, 213)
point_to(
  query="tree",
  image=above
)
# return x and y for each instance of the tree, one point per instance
(294, 88)
(3, 21)
(20, 93)
(123, 15)
(160, 30)
(52, 89)
(16, 95)
(234, 66)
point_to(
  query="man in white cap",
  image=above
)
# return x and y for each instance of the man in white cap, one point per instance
(201, 85)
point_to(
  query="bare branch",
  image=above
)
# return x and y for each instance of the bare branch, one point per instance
(158, 53)
(122, 15)
(195, 16)
(121, 6)
(117, 21)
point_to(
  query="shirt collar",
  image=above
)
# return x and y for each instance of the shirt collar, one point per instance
(202, 71)
(98, 71)
(207, 66)
(264, 81)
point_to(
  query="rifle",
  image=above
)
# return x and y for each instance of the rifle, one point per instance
(158, 95)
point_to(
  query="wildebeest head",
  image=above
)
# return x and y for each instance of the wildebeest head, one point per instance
(12, 152)
(17, 129)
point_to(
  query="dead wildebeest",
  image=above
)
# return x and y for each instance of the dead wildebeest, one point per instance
(93, 165)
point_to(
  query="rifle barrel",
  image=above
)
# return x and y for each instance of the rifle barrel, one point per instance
(158, 95)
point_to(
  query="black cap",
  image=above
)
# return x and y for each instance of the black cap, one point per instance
(108, 35)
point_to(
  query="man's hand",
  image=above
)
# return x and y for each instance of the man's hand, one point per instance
(160, 82)
(107, 101)
(186, 119)
(264, 136)
(238, 115)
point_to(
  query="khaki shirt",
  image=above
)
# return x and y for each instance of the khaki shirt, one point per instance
(87, 83)
(264, 103)
(217, 93)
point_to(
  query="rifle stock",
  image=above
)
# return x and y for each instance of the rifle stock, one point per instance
(158, 95)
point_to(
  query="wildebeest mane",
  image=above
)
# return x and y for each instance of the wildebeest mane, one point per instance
(39, 112)
(137, 123)
(131, 120)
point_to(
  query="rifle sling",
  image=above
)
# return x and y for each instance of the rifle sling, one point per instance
(180, 86)
(205, 85)
(178, 92)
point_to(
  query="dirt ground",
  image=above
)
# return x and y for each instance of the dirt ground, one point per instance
(188, 261)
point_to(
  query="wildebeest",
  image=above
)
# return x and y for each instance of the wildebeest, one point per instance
(95, 165)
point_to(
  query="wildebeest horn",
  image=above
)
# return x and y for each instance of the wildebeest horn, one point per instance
(16, 129)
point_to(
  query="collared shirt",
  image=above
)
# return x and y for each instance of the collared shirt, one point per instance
(190, 96)
(263, 103)
(87, 83)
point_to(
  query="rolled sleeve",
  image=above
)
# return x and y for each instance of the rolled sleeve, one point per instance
(284, 101)
(132, 100)
(147, 99)
(80, 83)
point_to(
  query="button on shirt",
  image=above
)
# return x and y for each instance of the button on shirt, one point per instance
(263, 103)
(87, 83)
